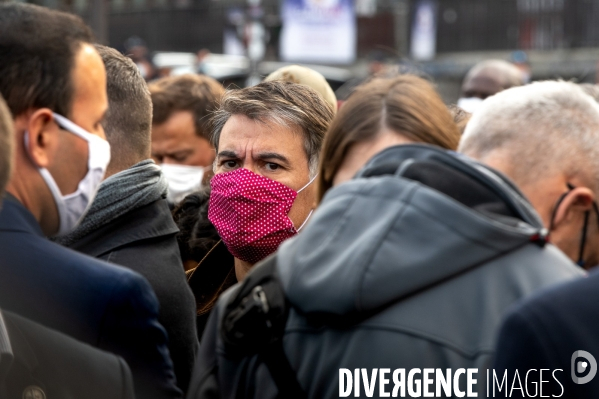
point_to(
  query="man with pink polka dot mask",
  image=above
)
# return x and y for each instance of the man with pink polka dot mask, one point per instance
(267, 139)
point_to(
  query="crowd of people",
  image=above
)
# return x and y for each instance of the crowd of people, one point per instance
(179, 239)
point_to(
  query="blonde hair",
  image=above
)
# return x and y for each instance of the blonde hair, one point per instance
(306, 76)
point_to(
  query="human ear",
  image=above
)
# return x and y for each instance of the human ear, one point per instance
(574, 204)
(41, 137)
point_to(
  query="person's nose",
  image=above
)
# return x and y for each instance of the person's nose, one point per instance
(250, 165)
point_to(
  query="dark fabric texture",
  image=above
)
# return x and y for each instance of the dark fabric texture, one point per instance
(544, 331)
(144, 240)
(119, 194)
(59, 366)
(213, 276)
(103, 305)
(393, 273)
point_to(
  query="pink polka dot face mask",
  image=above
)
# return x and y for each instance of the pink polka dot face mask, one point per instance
(250, 212)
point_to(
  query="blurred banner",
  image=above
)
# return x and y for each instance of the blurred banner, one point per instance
(319, 31)
(232, 42)
(424, 31)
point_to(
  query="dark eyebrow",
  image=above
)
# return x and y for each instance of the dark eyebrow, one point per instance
(272, 155)
(179, 152)
(228, 154)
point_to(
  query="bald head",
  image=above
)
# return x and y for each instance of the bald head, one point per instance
(490, 77)
(306, 76)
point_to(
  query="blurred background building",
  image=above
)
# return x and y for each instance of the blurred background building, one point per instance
(439, 38)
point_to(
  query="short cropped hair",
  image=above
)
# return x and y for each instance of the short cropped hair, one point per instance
(128, 122)
(282, 103)
(6, 145)
(541, 129)
(591, 89)
(198, 94)
(37, 54)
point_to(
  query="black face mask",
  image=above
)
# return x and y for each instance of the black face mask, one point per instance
(583, 239)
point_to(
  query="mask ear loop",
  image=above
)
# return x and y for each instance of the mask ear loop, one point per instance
(583, 240)
(559, 202)
(310, 182)
(306, 220)
(584, 233)
(312, 210)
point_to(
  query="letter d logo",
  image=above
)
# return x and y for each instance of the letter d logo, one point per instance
(583, 366)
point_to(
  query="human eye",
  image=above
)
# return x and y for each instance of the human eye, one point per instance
(271, 166)
(229, 164)
(179, 157)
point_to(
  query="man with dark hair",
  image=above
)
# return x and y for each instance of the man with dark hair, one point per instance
(180, 131)
(129, 222)
(54, 83)
(63, 366)
(255, 133)
(268, 138)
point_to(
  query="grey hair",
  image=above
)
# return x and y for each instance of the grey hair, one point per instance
(281, 103)
(542, 129)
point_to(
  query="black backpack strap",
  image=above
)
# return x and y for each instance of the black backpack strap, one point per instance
(282, 373)
(254, 323)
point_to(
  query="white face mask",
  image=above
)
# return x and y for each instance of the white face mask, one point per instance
(470, 104)
(72, 207)
(182, 180)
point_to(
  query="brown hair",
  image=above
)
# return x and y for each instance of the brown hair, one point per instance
(6, 145)
(406, 104)
(127, 123)
(460, 117)
(282, 103)
(198, 94)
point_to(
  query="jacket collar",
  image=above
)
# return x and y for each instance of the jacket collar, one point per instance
(150, 221)
(15, 217)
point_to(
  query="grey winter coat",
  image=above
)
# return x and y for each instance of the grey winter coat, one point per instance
(436, 246)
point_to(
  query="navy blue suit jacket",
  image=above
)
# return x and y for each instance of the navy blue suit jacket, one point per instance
(544, 331)
(104, 305)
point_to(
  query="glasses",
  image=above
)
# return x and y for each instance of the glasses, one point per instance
(584, 226)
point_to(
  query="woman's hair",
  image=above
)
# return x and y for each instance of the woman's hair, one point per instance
(405, 104)
(198, 238)
(460, 117)
(196, 234)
